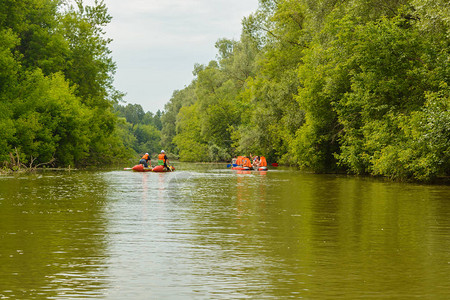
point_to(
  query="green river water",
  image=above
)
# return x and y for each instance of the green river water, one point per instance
(206, 232)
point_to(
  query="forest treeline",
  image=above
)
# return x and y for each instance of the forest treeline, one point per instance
(356, 86)
(56, 85)
(58, 104)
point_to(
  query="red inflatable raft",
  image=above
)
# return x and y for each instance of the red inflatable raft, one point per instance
(161, 169)
(249, 169)
(141, 168)
(239, 168)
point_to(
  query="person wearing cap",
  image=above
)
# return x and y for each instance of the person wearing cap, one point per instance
(162, 160)
(144, 160)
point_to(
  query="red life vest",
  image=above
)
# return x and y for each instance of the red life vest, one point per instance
(246, 162)
(262, 161)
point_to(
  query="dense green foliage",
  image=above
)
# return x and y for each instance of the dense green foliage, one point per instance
(351, 86)
(56, 92)
(357, 86)
(140, 131)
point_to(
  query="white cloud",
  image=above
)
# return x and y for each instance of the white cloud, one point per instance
(157, 42)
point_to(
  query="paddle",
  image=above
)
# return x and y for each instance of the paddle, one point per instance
(274, 165)
(234, 165)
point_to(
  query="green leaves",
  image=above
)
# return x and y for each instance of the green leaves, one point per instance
(49, 120)
(389, 73)
(422, 148)
(353, 86)
(56, 84)
(203, 115)
(188, 139)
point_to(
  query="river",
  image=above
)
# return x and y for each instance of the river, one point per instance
(206, 232)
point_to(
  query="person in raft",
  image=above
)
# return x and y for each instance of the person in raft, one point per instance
(246, 162)
(262, 162)
(233, 161)
(162, 160)
(256, 162)
(144, 160)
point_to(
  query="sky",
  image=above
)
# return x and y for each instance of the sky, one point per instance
(156, 43)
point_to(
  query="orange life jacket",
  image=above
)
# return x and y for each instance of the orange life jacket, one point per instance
(246, 162)
(161, 159)
(239, 160)
(262, 161)
(146, 157)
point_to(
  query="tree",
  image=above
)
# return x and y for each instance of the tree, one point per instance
(179, 99)
(357, 86)
(188, 140)
(50, 123)
(56, 83)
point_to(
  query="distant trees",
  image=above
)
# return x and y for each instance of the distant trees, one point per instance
(348, 86)
(140, 131)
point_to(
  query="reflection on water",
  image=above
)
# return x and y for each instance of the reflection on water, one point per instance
(52, 236)
(211, 233)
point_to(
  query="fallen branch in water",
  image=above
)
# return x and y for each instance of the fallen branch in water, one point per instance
(14, 164)
(31, 167)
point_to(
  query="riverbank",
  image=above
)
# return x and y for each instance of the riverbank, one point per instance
(191, 166)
